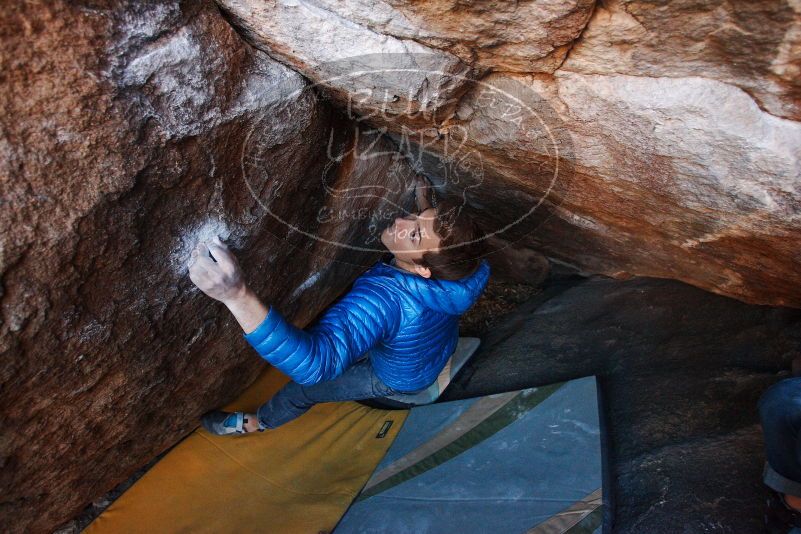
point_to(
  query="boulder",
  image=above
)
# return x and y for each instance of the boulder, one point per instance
(657, 139)
(753, 46)
(625, 138)
(130, 131)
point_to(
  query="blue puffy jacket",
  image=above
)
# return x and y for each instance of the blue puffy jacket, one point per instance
(409, 325)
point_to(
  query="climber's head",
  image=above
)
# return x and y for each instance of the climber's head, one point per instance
(424, 243)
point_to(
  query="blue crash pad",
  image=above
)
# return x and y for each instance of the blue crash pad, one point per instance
(523, 461)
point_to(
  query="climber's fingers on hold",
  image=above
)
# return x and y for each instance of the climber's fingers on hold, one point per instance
(224, 258)
(192, 258)
(216, 240)
(198, 275)
(214, 270)
(204, 260)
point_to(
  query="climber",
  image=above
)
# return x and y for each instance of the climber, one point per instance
(780, 414)
(391, 334)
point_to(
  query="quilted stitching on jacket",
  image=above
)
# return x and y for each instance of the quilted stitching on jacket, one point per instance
(408, 326)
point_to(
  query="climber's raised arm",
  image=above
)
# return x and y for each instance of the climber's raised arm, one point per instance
(222, 280)
(367, 314)
(346, 331)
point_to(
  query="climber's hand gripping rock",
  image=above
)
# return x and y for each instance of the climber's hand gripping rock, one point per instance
(221, 279)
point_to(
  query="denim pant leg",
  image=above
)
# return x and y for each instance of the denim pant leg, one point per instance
(356, 383)
(780, 412)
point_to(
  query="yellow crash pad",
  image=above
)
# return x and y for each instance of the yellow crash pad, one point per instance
(298, 478)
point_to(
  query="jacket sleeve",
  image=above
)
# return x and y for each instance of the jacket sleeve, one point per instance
(363, 317)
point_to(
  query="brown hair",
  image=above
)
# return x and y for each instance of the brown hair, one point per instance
(461, 244)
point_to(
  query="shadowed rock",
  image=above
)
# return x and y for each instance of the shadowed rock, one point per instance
(652, 139)
(681, 371)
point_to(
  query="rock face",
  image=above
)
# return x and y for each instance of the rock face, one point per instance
(635, 138)
(130, 130)
(624, 138)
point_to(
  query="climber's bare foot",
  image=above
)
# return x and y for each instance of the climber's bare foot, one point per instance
(252, 424)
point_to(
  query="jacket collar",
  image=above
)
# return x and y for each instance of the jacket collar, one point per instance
(447, 296)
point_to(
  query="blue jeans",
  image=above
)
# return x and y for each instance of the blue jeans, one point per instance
(358, 382)
(780, 412)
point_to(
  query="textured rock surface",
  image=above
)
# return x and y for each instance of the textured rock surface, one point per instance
(129, 131)
(677, 123)
(681, 371)
(755, 46)
(509, 36)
